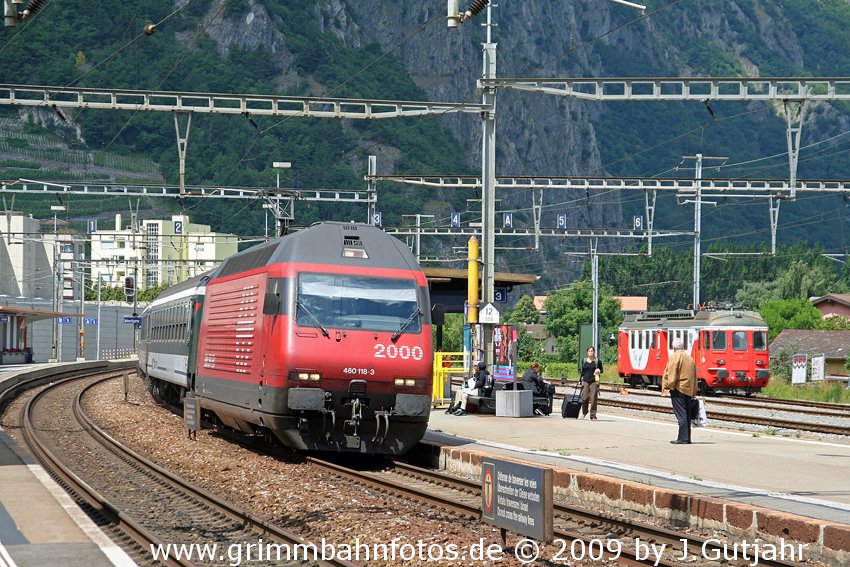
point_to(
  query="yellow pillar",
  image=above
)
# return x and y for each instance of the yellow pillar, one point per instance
(472, 281)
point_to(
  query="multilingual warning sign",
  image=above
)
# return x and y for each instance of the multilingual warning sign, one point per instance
(517, 497)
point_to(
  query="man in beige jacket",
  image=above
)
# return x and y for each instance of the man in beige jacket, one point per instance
(680, 382)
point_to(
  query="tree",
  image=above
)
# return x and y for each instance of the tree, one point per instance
(524, 311)
(781, 314)
(567, 309)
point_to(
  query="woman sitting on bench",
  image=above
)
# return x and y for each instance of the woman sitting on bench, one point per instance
(478, 383)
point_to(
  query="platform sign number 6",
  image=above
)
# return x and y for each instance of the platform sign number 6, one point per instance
(638, 220)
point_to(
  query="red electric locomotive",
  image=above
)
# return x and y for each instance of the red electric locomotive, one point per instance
(321, 338)
(728, 346)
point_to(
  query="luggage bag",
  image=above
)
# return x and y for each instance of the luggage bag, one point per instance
(571, 405)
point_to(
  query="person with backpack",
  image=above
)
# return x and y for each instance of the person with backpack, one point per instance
(480, 384)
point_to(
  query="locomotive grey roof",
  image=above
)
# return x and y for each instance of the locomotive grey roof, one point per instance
(323, 243)
(192, 282)
(687, 317)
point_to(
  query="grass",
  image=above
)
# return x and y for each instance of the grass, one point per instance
(829, 391)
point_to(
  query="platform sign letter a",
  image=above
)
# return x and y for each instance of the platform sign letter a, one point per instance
(509, 220)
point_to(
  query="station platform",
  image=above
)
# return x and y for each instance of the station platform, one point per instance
(796, 476)
(39, 523)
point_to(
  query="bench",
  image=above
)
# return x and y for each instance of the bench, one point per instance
(487, 404)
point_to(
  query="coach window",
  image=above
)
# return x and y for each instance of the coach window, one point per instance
(718, 340)
(760, 340)
(739, 340)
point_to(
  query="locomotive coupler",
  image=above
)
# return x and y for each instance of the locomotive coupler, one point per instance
(349, 426)
(381, 416)
(303, 426)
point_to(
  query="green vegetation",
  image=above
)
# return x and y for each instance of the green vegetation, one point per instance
(834, 392)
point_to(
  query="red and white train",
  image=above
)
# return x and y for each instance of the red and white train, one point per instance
(321, 338)
(728, 346)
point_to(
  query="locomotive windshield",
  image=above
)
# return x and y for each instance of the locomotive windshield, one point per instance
(360, 302)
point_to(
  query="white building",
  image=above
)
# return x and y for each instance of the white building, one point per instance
(157, 252)
(28, 257)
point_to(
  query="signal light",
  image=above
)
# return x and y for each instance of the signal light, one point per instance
(130, 286)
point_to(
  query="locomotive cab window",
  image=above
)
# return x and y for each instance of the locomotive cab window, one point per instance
(718, 340)
(739, 340)
(759, 340)
(359, 302)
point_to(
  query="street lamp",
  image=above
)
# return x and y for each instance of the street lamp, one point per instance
(56, 349)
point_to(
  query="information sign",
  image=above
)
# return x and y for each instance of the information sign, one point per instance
(133, 320)
(562, 221)
(64, 320)
(818, 367)
(90, 321)
(799, 364)
(500, 294)
(517, 497)
(488, 314)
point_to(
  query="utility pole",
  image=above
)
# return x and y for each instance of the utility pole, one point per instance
(698, 221)
(594, 272)
(417, 238)
(82, 329)
(56, 349)
(99, 322)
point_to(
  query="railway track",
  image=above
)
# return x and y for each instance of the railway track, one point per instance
(575, 528)
(143, 504)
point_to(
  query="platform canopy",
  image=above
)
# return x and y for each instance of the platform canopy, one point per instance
(449, 285)
(27, 316)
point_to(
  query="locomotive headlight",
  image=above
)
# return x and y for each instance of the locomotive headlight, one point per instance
(305, 376)
(405, 382)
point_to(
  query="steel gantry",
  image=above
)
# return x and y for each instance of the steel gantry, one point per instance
(185, 104)
(775, 190)
(793, 92)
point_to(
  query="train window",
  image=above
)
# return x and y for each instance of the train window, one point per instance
(654, 339)
(632, 339)
(739, 340)
(718, 340)
(640, 340)
(760, 340)
(361, 302)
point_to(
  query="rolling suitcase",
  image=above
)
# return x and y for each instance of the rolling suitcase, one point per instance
(571, 405)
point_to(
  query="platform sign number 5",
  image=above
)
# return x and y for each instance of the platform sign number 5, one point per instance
(377, 218)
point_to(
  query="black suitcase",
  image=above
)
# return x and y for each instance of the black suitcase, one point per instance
(571, 405)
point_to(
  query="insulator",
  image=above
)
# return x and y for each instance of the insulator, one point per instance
(33, 7)
(476, 7)
(149, 29)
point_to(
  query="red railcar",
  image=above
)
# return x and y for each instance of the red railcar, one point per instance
(321, 338)
(728, 346)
